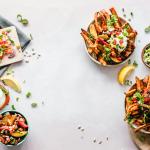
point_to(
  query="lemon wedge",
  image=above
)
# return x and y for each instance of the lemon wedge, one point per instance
(124, 73)
(11, 82)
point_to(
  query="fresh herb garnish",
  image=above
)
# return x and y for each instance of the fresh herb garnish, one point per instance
(147, 29)
(129, 61)
(31, 37)
(91, 37)
(22, 20)
(135, 63)
(139, 97)
(128, 82)
(34, 105)
(124, 15)
(13, 107)
(28, 95)
(17, 99)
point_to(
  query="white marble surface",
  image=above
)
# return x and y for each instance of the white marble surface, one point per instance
(76, 92)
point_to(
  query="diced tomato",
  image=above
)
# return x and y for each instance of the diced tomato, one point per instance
(2, 42)
(147, 99)
(134, 100)
(121, 42)
(119, 58)
(102, 41)
(115, 42)
(9, 51)
(22, 124)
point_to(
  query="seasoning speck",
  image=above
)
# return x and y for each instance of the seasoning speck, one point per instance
(94, 141)
(107, 138)
(17, 99)
(124, 15)
(82, 130)
(100, 142)
(123, 9)
(26, 61)
(131, 14)
(129, 19)
(79, 127)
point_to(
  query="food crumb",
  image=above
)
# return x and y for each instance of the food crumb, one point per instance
(26, 61)
(82, 130)
(94, 141)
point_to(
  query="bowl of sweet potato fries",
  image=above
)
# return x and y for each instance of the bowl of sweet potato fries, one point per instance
(137, 111)
(109, 39)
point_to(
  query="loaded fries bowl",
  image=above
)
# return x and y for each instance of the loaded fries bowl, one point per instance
(13, 128)
(109, 39)
(137, 111)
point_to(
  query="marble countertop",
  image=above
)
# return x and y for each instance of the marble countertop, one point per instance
(75, 91)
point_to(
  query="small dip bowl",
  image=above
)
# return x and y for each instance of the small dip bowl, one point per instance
(142, 55)
(22, 138)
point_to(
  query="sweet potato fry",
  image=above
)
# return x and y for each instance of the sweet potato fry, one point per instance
(118, 23)
(148, 83)
(102, 61)
(130, 92)
(138, 84)
(97, 25)
(103, 21)
(86, 38)
(93, 30)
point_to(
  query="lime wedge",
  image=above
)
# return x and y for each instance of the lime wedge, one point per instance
(11, 82)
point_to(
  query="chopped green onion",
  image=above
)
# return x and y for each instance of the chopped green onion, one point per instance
(28, 95)
(13, 107)
(147, 29)
(24, 21)
(34, 105)
(135, 63)
(19, 17)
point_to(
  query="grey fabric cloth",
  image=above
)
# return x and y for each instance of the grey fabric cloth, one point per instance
(24, 40)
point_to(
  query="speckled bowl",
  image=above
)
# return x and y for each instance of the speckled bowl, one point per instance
(24, 138)
(142, 55)
(108, 65)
